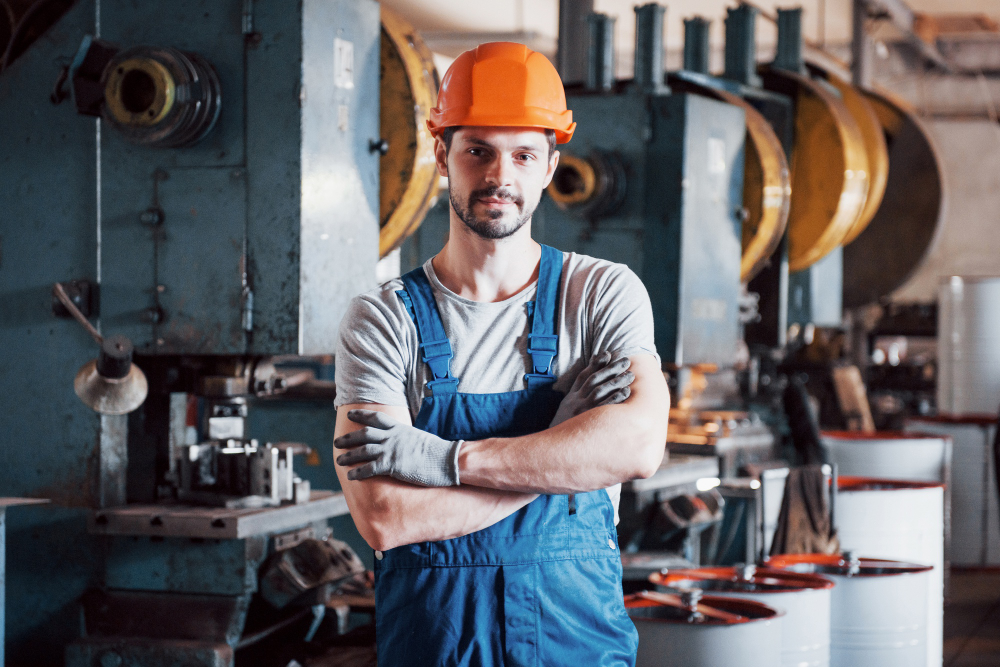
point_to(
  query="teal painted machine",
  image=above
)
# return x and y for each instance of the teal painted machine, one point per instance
(222, 226)
(653, 179)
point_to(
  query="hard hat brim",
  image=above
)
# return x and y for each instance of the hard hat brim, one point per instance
(560, 123)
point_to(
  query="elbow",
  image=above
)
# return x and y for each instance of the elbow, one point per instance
(378, 524)
(649, 461)
(378, 539)
(650, 450)
(373, 534)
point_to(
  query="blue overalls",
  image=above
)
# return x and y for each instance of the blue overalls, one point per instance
(541, 587)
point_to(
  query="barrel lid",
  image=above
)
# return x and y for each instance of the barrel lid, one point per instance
(975, 418)
(875, 436)
(693, 608)
(740, 579)
(853, 483)
(844, 565)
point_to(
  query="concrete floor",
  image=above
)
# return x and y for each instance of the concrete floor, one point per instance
(972, 619)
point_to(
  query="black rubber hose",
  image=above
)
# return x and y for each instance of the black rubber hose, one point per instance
(802, 422)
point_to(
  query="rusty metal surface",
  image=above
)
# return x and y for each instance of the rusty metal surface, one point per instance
(50, 450)
(208, 618)
(182, 565)
(215, 522)
(66, 218)
(906, 225)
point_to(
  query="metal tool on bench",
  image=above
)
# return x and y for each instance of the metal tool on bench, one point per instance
(223, 467)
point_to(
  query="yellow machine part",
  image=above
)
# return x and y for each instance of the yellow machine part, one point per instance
(766, 189)
(766, 181)
(907, 225)
(829, 169)
(139, 92)
(575, 183)
(892, 111)
(409, 87)
(878, 153)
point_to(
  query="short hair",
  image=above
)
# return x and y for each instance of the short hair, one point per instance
(448, 133)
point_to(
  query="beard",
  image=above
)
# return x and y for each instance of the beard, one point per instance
(494, 225)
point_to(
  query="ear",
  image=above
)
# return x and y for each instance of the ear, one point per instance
(553, 163)
(441, 157)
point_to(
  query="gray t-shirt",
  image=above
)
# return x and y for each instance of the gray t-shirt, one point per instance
(603, 307)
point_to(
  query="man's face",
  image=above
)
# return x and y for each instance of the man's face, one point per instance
(496, 176)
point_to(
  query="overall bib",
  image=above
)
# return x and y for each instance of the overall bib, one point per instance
(541, 587)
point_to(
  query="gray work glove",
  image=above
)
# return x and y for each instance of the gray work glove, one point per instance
(602, 382)
(388, 447)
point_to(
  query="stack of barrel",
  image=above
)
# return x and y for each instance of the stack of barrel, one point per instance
(879, 603)
(795, 610)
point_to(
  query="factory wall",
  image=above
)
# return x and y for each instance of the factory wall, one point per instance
(968, 243)
(50, 440)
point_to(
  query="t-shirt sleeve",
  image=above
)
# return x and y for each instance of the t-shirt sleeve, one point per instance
(621, 315)
(370, 364)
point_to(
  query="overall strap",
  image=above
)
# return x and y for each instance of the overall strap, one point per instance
(543, 343)
(419, 300)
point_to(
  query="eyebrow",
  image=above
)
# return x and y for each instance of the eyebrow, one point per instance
(486, 144)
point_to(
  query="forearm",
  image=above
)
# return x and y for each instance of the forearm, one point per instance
(599, 448)
(389, 513)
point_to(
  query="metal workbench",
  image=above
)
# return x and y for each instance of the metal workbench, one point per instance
(178, 520)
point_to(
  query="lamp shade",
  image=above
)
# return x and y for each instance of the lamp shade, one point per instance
(112, 384)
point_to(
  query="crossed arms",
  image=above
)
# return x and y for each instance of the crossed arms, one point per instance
(594, 450)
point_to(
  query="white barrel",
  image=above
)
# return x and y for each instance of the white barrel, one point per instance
(671, 635)
(898, 520)
(804, 599)
(968, 345)
(975, 513)
(878, 609)
(920, 457)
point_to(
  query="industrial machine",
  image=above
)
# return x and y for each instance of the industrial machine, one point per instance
(206, 185)
(199, 185)
(709, 188)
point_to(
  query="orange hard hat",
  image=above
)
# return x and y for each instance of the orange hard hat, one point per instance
(503, 84)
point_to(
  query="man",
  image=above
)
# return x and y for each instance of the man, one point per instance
(482, 484)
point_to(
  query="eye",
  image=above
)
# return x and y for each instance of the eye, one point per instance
(526, 157)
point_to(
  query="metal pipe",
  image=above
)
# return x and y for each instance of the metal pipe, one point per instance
(741, 47)
(789, 53)
(862, 47)
(696, 45)
(601, 55)
(571, 53)
(649, 48)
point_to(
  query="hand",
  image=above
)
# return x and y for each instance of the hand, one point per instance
(388, 447)
(602, 382)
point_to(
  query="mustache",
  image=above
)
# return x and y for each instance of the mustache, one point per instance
(496, 192)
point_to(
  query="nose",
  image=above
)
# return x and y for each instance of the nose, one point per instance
(500, 171)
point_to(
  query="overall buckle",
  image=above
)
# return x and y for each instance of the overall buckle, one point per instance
(542, 348)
